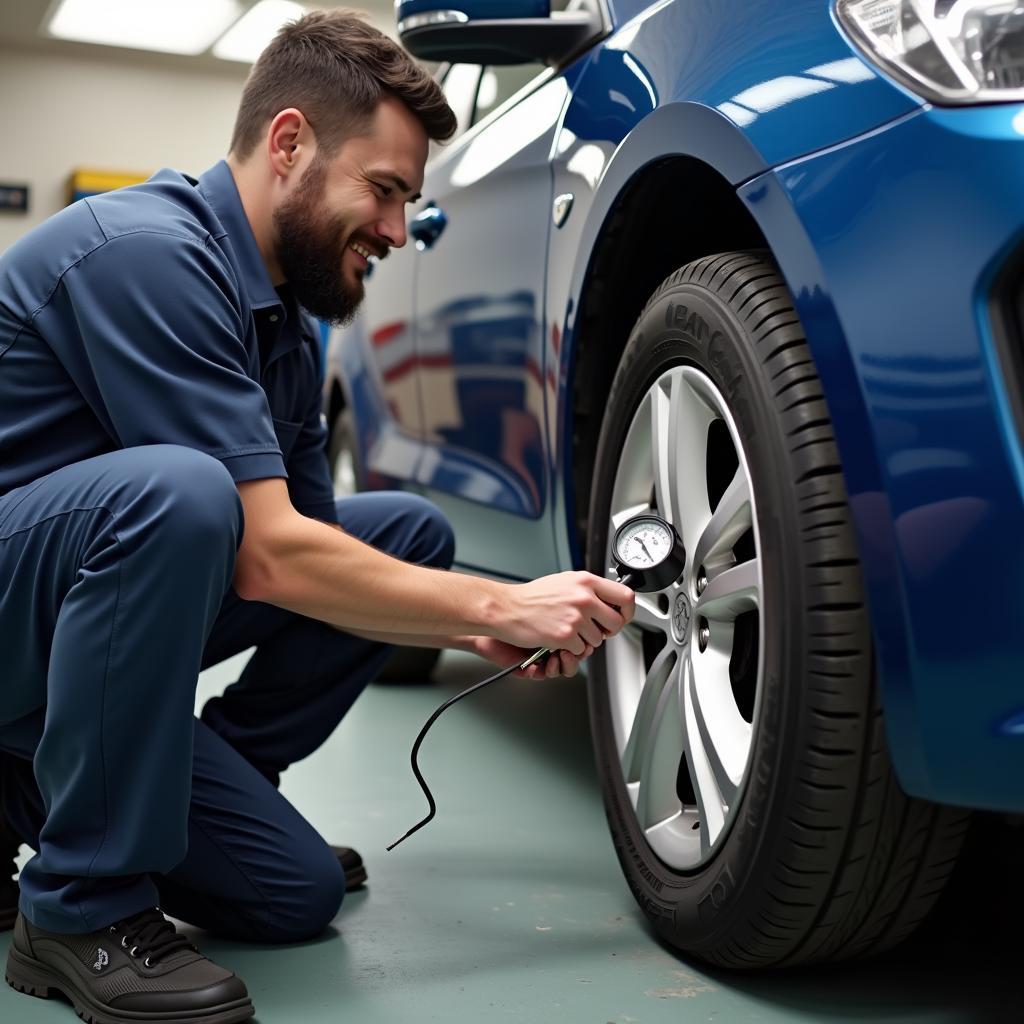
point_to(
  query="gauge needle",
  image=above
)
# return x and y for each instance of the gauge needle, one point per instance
(644, 546)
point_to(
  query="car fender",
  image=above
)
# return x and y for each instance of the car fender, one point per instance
(704, 134)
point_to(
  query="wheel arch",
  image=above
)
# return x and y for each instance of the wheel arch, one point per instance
(675, 209)
(726, 199)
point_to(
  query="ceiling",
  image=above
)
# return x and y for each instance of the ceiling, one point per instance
(21, 28)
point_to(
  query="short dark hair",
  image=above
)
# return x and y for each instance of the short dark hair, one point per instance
(335, 68)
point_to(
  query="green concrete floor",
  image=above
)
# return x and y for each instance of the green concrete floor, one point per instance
(510, 905)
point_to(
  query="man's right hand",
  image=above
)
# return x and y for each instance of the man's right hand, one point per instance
(566, 611)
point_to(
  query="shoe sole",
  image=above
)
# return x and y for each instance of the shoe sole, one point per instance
(30, 976)
(354, 879)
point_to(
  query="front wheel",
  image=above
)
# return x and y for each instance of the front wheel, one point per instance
(737, 725)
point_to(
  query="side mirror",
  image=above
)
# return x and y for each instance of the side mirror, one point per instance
(497, 31)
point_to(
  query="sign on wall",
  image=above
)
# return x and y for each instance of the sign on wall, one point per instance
(13, 198)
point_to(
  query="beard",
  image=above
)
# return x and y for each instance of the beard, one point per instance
(311, 245)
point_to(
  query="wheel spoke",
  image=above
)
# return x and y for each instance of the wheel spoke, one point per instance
(667, 832)
(724, 734)
(679, 437)
(641, 734)
(732, 592)
(664, 417)
(618, 518)
(730, 520)
(631, 492)
(657, 798)
(702, 776)
(648, 616)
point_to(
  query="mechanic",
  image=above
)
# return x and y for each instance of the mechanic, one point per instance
(165, 503)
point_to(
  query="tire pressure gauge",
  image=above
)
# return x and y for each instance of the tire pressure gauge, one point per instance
(649, 556)
(648, 550)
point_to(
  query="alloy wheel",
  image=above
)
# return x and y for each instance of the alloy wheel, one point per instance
(685, 676)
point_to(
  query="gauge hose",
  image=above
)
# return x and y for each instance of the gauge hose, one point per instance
(627, 579)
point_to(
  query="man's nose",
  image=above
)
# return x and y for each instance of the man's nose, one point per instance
(393, 230)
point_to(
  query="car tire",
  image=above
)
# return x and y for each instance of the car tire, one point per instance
(408, 665)
(784, 838)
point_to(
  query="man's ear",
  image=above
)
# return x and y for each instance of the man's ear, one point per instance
(291, 144)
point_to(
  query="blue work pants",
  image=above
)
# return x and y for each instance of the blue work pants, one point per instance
(115, 591)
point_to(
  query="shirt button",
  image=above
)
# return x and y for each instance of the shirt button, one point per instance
(273, 318)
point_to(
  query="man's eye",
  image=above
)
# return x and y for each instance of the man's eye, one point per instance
(385, 191)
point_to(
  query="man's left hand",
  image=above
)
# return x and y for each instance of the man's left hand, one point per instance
(558, 663)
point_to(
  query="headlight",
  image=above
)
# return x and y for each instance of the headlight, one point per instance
(949, 51)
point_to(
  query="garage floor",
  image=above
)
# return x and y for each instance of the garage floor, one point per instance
(510, 905)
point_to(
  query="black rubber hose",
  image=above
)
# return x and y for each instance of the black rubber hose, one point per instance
(627, 579)
(423, 732)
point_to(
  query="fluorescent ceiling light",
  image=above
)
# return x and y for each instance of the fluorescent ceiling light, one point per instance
(168, 26)
(250, 34)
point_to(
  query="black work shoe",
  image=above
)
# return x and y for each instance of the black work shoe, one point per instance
(352, 864)
(9, 892)
(138, 969)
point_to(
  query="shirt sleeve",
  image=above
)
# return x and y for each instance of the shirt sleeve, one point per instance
(309, 475)
(149, 326)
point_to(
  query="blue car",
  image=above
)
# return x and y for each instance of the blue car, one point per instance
(758, 268)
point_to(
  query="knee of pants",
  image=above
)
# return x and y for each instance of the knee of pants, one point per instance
(439, 539)
(431, 540)
(187, 495)
(304, 911)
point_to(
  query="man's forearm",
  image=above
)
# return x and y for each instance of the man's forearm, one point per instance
(307, 567)
(331, 576)
(456, 643)
(450, 642)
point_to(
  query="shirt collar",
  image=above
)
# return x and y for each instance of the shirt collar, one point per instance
(278, 324)
(218, 188)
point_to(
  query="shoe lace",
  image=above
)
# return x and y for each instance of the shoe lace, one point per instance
(150, 935)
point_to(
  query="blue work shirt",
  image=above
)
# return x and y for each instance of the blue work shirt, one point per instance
(146, 316)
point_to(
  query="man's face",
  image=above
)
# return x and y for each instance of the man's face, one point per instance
(347, 207)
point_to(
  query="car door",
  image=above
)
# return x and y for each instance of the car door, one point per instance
(376, 354)
(481, 238)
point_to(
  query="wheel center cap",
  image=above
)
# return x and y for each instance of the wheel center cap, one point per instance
(681, 618)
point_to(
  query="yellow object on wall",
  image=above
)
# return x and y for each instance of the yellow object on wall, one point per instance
(88, 181)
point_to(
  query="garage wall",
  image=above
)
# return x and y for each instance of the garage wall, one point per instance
(59, 113)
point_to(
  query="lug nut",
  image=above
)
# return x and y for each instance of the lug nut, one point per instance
(702, 581)
(704, 636)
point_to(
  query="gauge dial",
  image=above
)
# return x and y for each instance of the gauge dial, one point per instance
(644, 542)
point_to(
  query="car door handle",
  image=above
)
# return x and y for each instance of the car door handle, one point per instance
(427, 226)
